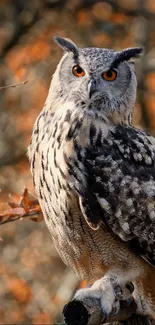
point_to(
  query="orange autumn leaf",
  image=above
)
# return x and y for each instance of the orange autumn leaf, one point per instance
(13, 212)
(19, 289)
(25, 207)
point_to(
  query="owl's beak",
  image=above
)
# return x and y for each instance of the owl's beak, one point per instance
(92, 87)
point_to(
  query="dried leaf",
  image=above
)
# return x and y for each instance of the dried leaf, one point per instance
(25, 200)
(26, 207)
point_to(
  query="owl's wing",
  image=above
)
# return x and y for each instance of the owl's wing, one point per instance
(115, 182)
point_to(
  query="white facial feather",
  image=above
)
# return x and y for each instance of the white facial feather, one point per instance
(115, 99)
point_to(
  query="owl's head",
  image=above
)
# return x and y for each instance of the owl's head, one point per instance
(97, 79)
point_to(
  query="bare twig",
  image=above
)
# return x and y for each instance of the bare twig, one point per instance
(27, 206)
(28, 215)
(14, 85)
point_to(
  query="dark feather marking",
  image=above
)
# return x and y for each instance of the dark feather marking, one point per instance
(55, 162)
(55, 211)
(51, 173)
(38, 120)
(36, 131)
(92, 131)
(42, 161)
(74, 129)
(45, 181)
(60, 187)
(47, 214)
(47, 160)
(33, 161)
(55, 130)
(70, 215)
(40, 193)
(33, 176)
(68, 116)
(41, 183)
(62, 173)
(99, 139)
(37, 147)
(101, 164)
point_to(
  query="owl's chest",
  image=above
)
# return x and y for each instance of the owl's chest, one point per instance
(60, 206)
(51, 179)
(87, 251)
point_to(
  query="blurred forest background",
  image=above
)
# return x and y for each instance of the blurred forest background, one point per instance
(34, 283)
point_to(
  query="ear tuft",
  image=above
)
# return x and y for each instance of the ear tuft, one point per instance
(133, 52)
(66, 44)
(126, 55)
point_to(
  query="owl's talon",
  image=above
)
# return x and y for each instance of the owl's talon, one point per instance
(115, 310)
(107, 294)
(123, 292)
(130, 286)
(125, 303)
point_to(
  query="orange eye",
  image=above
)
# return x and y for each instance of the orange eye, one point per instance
(78, 71)
(109, 75)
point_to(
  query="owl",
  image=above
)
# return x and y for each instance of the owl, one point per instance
(94, 176)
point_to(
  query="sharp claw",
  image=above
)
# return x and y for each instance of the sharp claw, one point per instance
(125, 303)
(130, 287)
(118, 292)
(115, 309)
(105, 317)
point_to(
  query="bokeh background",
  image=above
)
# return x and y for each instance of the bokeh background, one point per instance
(34, 283)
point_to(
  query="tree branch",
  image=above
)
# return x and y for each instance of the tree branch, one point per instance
(27, 206)
(89, 312)
(14, 85)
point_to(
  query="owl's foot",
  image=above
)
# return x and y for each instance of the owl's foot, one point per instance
(107, 293)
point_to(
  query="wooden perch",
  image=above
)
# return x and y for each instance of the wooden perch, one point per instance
(14, 85)
(77, 312)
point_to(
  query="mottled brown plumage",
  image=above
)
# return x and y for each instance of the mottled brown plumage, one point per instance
(94, 175)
